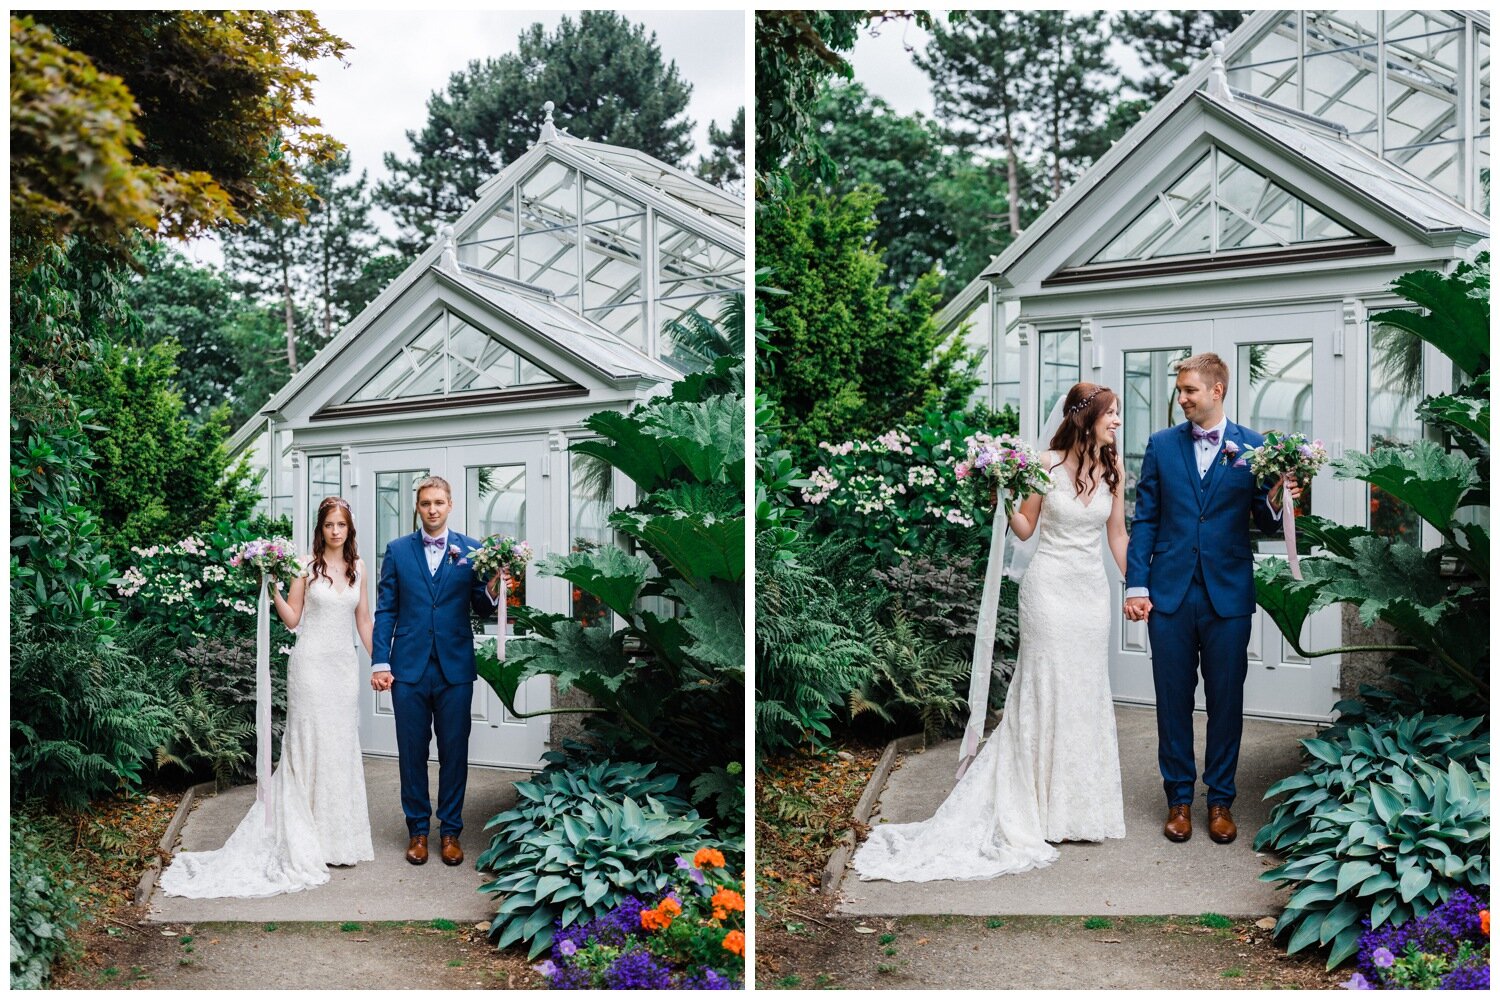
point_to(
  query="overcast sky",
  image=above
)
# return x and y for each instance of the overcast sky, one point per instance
(397, 59)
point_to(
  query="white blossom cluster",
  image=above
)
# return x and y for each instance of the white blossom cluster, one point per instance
(823, 485)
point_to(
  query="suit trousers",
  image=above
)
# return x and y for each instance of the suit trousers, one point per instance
(1188, 640)
(423, 708)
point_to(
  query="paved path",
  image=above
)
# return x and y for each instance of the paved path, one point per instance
(1143, 874)
(384, 889)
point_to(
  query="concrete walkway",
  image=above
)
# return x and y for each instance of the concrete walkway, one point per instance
(387, 888)
(1142, 875)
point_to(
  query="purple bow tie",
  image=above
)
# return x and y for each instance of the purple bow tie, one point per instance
(434, 543)
(1199, 434)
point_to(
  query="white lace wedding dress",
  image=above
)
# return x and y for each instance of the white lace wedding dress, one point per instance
(1051, 769)
(318, 788)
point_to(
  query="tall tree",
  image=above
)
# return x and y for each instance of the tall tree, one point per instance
(724, 163)
(795, 52)
(984, 74)
(1074, 92)
(337, 241)
(607, 79)
(172, 121)
(266, 255)
(1169, 42)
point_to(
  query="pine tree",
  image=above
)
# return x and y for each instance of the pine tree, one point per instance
(264, 255)
(1073, 95)
(1169, 42)
(338, 239)
(607, 79)
(725, 163)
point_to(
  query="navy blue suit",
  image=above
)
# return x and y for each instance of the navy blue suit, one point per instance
(422, 631)
(1190, 547)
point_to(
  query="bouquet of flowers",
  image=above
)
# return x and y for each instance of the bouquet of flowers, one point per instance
(1286, 454)
(1000, 463)
(273, 559)
(499, 552)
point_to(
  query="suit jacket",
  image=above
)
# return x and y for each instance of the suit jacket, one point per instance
(421, 615)
(1182, 522)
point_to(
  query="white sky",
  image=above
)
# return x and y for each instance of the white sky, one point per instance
(397, 59)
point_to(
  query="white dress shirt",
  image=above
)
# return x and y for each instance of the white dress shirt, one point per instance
(435, 555)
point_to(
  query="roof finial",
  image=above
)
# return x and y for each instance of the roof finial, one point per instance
(1218, 80)
(450, 250)
(549, 130)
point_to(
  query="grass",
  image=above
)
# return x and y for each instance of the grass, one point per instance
(789, 982)
(270, 928)
(994, 923)
(887, 938)
(889, 952)
(1215, 921)
(349, 925)
(1097, 924)
(885, 969)
(1233, 973)
(443, 925)
(455, 963)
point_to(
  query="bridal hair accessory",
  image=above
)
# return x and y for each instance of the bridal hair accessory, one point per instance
(1084, 402)
(1286, 455)
(1014, 470)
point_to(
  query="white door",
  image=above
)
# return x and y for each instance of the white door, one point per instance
(1284, 378)
(386, 501)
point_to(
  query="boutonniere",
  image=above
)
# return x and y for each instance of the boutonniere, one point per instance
(453, 553)
(1230, 451)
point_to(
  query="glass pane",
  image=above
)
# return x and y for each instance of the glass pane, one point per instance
(416, 371)
(608, 208)
(1060, 369)
(491, 245)
(707, 303)
(549, 197)
(1341, 87)
(1482, 68)
(687, 259)
(613, 258)
(1274, 392)
(591, 500)
(976, 324)
(1482, 180)
(1420, 90)
(1395, 391)
(1194, 235)
(495, 504)
(1438, 165)
(1279, 43)
(479, 361)
(626, 322)
(395, 508)
(1146, 407)
(1008, 372)
(1269, 67)
(1182, 206)
(1133, 243)
(1405, 23)
(324, 479)
(550, 260)
(1337, 29)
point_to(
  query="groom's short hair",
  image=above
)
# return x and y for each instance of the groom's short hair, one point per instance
(435, 483)
(1209, 366)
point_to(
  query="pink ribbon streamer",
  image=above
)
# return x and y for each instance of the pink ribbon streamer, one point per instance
(1289, 528)
(500, 615)
(984, 643)
(264, 789)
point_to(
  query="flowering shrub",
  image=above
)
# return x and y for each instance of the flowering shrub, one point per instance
(692, 939)
(901, 493)
(1448, 949)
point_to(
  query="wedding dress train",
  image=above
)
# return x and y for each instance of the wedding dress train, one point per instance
(1051, 769)
(318, 806)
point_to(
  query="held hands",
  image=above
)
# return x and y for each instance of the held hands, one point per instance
(382, 680)
(1137, 609)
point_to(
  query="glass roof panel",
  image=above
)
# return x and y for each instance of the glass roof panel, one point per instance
(549, 260)
(475, 359)
(670, 181)
(1336, 29)
(1341, 86)
(1482, 67)
(613, 260)
(628, 322)
(1405, 23)
(549, 197)
(686, 258)
(417, 370)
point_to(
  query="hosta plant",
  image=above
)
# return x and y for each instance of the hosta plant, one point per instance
(578, 842)
(1385, 822)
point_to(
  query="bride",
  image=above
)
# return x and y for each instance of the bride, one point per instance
(317, 795)
(1051, 770)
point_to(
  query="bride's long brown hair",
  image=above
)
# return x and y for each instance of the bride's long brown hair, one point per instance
(1081, 411)
(351, 551)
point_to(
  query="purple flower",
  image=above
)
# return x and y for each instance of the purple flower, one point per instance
(1472, 975)
(567, 948)
(709, 979)
(546, 968)
(571, 978)
(637, 970)
(1383, 958)
(1356, 982)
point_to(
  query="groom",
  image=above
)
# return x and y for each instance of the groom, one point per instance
(424, 655)
(1190, 577)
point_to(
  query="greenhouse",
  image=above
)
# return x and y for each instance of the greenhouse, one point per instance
(553, 297)
(1261, 211)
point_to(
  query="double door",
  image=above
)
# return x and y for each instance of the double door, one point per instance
(500, 489)
(1284, 376)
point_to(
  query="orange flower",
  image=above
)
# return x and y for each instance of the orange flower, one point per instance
(1484, 922)
(657, 919)
(670, 905)
(734, 942)
(726, 900)
(707, 857)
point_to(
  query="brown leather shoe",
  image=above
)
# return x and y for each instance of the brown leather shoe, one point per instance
(452, 853)
(1179, 826)
(1221, 829)
(416, 851)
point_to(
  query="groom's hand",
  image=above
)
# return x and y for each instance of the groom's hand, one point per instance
(1274, 496)
(382, 680)
(1138, 609)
